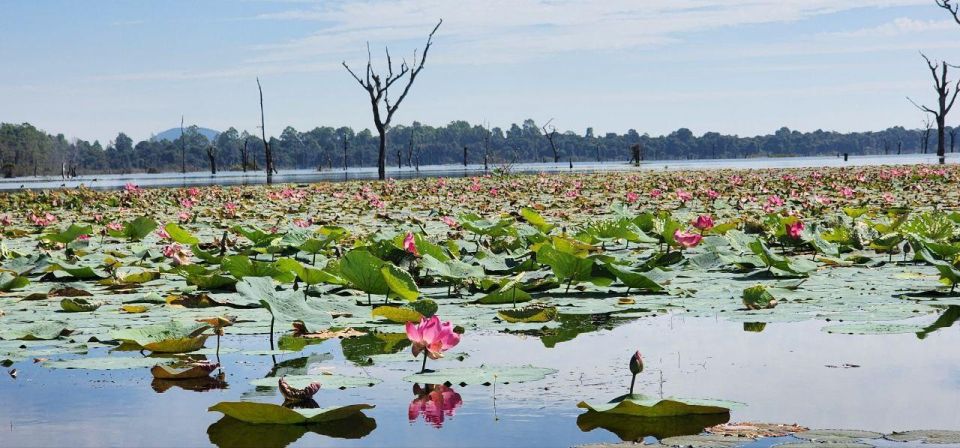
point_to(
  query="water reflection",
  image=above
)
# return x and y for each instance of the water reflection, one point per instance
(201, 384)
(573, 325)
(634, 429)
(946, 320)
(361, 348)
(754, 327)
(229, 432)
(434, 402)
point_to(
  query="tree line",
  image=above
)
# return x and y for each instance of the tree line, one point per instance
(26, 150)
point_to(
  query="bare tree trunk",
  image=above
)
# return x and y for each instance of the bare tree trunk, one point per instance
(464, 156)
(212, 155)
(243, 155)
(266, 144)
(550, 136)
(183, 148)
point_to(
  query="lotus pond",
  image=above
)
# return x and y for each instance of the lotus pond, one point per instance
(800, 307)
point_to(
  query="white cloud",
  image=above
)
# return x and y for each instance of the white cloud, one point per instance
(898, 27)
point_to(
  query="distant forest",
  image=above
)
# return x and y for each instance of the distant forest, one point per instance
(26, 150)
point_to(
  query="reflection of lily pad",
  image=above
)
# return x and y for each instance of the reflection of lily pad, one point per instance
(629, 428)
(272, 414)
(328, 381)
(641, 406)
(192, 371)
(532, 313)
(861, 328)
(360, 349)
(230, 432)
(482, 375)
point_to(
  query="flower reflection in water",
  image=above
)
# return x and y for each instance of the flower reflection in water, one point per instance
(434, 402)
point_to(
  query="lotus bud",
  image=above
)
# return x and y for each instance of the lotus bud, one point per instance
(636, 363)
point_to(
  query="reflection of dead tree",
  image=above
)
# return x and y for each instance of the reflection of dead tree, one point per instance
(212, 155)
(942, 86)
(952, 7)
(551, 134)
(378, 88)
(267, 151)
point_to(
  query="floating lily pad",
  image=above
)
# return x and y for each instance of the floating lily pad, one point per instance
(641, 406)
(826, 445)
(103, 363)
(79, 305)
(272, 414)
(532, 313)
(703, 441)
(482, 375)
(925, 436)
(165, 372)
(171, 337)
(327, 381)
(865, 328)
(37, 332)
(836, 435)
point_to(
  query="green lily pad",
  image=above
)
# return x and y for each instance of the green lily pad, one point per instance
(103, 363)
(482, 375)
(42, 331)
(171, 337)
(641, 406)
(286, 307)
(532, 313)
(837, 435)
(79, 305)
(925, 436)
(272, 414)
(703, 441)
(328, 381)
(867, 328)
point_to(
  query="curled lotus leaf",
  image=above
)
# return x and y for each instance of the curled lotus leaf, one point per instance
(642, 406)
(272, 414)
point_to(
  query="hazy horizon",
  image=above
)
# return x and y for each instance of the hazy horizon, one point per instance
(745, 67)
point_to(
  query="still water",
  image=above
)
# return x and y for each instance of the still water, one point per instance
(112, 181)
(786, 373)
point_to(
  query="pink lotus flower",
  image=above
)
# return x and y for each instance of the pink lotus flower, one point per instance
(687, 240)
(431, 337)
(433, 401)
(6, 220)
(162, 234)
(712, 194)
(186, 203)
(703, 222)
(115, 226)
(178, 254)
(184, 217)
(131, 187)
(632, 197)
(684, 196)
(449, 221)
(83, 237)
(656, 193)
(302, 223)
(795, 229)
(410, 245)
(847, 192)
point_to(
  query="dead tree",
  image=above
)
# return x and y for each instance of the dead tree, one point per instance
(410, 148)
(952, 7)
(464, 156)
(486, 146)
(244, 155)
(267, 151)
(945, 100)
(212, 155)
(183, 148)
(953, 138)
(925, 143)
(550, 136)
(378, 88)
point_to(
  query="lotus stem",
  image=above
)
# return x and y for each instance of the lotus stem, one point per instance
(423, 367)
(633, 380)
(271, 331)
(218, 348)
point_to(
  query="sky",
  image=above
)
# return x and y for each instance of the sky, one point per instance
(92, 69)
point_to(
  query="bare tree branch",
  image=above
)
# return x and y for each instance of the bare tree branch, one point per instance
(953, 8)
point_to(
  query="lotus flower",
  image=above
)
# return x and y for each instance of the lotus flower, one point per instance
(431, 337)
(449, 221)
(180, 255)
(433, 401)
(795, 229)
(632, 197)
(410, 245)
(685, 239)
(703, 222)
(294, 395)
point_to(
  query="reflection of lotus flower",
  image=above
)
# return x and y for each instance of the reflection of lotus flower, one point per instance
(434, 401)
(293, 394)
(687, 240)
(431, 337)
(410, 245)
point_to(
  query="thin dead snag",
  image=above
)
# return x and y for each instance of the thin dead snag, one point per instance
(378, 89)
(183, 149)
(212, 155)
(267, 152)
(551, 134)
(952, 7)
(945, 100)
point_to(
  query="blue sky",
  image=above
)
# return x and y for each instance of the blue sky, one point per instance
(92, 69)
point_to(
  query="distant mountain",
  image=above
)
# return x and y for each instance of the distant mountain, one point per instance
(174, 133)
